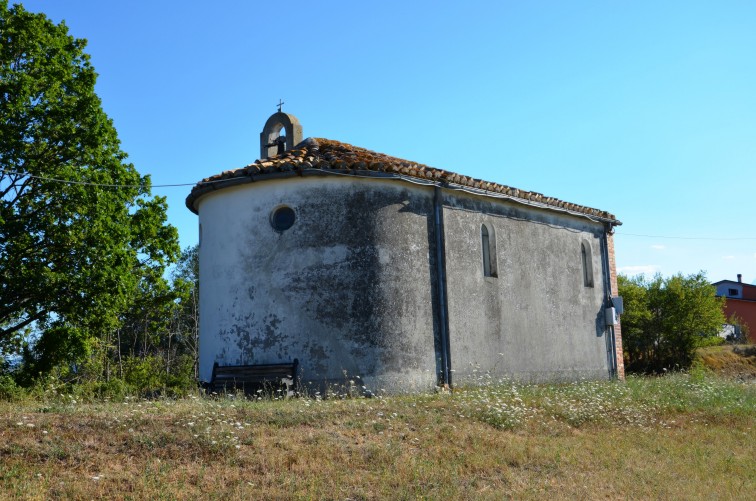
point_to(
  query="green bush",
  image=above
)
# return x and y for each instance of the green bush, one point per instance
(115, 390)
(181, 380)
(665, 319)
(146, 375)
(9, 390)
(149, 376)
(710, 341)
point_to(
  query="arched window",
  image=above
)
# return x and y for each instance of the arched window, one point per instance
(488, 246)
(587, 260)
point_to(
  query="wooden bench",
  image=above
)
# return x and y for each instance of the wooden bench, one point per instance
(251, 378)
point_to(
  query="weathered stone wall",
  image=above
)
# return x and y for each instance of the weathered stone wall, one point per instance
(347, 289)
(536, 320)
(350, 289)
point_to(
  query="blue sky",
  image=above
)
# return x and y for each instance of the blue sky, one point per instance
(645, 109)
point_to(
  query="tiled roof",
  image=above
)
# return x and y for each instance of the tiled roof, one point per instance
(325, 155)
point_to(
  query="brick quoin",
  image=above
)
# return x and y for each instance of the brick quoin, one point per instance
(615, 292)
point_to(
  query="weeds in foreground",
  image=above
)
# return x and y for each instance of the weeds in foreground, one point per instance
(639, 401)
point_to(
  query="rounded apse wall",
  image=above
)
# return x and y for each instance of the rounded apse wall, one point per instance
(333, 271)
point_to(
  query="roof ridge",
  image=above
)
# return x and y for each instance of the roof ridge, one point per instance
(330, 155)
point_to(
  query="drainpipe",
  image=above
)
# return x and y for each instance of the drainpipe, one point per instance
(443, 309)
(608, 299)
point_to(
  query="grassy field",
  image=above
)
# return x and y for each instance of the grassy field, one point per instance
(677, 437)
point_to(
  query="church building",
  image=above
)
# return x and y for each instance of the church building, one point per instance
(359, 265)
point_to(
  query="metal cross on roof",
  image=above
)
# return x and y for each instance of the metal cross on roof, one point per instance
(280, 103)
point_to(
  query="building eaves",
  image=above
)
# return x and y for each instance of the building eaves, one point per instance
(733, 282)
(317, 155)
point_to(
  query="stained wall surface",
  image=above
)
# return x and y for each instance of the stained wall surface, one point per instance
(536, 319)
(350, 289)
(347, 289)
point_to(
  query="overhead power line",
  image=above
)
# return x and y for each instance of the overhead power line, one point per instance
(87, 183)
(177, 185)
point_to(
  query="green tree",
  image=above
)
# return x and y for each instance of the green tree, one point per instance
(186, 322)
(665, 320)
(79, 229)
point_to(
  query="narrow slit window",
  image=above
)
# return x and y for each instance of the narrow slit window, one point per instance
(488, 246)
(585, 255)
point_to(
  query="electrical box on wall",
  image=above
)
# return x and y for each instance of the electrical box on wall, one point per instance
(611, 316)
(618, 304)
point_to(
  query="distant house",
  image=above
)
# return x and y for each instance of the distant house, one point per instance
(740, 300)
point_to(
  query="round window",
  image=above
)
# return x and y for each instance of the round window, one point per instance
(282, 218)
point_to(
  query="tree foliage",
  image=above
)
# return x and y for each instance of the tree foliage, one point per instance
(665, 319)
(80, 234)
(160, 329)
(186, 277)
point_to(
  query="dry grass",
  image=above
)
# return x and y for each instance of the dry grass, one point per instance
(735, 361)
(679, 437)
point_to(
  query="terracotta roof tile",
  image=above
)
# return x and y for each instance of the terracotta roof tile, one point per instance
(316, 154)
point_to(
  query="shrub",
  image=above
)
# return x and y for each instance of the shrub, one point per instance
(707, 341)
(146, 375)
(9, 390)
(665, 318)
